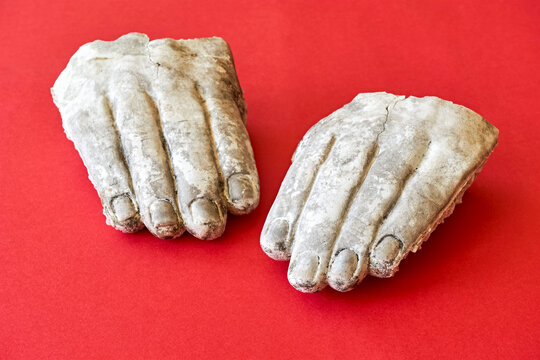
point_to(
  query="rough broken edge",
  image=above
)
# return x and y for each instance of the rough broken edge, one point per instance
(445, 212)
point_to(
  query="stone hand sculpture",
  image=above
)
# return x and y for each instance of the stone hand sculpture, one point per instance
(160, 126)
(369, 183)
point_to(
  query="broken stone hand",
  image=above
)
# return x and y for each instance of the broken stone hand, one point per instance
(369, 183)
(160, 126)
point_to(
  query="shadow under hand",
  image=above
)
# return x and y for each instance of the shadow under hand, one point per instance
(467, 228)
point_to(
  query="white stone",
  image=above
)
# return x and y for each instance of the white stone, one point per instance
(160, 126)
(369, 183)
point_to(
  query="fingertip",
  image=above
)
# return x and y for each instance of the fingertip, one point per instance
(242, 194)
(125, 216)
(275, 239)
(207, 219)
(346, 271)
(384, 256)
(165, 221)
(304, 273)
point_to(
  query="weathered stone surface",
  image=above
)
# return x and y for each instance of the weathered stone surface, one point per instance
(160, 126)
(369, 183)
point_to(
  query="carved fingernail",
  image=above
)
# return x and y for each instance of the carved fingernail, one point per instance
(242, 190)
(343, 269)
(164, 218)
(275, 239)
(204, 212)
(387, 250)
(123, 208)
(304, 270)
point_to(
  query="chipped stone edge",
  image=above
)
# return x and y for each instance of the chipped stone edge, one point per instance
(386, 272)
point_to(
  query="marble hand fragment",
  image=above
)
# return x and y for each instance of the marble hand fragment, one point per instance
(160, 126)
(369, 183)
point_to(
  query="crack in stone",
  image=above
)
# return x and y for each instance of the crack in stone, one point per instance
(155, 63)
(387, 108)
(372, 156)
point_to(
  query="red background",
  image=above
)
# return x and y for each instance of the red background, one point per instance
(73, 288)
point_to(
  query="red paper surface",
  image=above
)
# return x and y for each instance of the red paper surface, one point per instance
(73, 288)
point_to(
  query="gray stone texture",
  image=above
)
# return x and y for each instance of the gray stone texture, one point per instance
(369, 183)
(160, 126)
